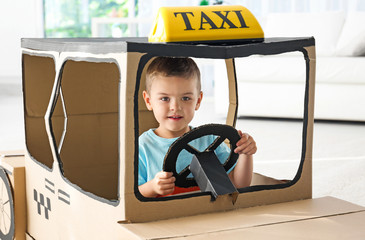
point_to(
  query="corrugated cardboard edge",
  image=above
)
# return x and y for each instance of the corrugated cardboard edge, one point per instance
(232, 88)
(12, 153)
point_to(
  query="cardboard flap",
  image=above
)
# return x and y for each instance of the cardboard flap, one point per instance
(12, 159)
(243, 218)
(346, 226)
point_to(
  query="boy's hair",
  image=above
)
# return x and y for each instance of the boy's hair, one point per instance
(172, 67)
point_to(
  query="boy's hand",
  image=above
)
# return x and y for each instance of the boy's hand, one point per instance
(164, 183)
(246, 145)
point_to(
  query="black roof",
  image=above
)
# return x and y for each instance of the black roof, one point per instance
(222, 50)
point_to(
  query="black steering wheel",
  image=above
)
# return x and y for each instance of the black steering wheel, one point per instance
(222, 131)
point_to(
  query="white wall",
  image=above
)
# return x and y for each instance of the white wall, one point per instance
(18, 19)
(24, 18)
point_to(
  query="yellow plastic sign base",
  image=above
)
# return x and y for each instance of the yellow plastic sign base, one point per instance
(205, 23)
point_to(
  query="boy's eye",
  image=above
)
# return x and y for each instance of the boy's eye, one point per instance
(186, 98)
(164, 99)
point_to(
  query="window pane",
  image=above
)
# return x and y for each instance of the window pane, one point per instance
(72, 18)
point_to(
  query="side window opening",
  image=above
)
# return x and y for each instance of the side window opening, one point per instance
(38, 79)
(284, 90)
(250, 122)
(86, 122)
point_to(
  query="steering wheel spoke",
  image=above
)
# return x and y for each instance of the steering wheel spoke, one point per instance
(191, 149)
(185, 173)
(218, 141)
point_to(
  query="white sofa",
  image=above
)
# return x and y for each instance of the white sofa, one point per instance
(273, 86)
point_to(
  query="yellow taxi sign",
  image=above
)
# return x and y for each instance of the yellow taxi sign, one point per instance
(205, 23)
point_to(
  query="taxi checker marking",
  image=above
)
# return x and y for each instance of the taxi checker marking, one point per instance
(209, 21)
(62, 195)
(49, 185)
(41, 203)
(45, 202)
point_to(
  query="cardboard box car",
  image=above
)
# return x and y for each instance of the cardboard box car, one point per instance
(100, 82)
(84, 113)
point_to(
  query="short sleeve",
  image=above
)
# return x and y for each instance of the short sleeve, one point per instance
(142, 168)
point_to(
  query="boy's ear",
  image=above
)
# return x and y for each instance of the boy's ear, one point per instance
(147, 100)
(200, 98)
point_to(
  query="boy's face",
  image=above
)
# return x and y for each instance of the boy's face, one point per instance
(174, 101)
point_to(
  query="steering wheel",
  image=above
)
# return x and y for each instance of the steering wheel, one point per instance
(222, 131)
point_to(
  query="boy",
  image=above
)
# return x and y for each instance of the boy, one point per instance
(173, 93)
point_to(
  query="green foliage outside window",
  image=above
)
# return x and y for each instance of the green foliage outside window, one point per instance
(72, 18)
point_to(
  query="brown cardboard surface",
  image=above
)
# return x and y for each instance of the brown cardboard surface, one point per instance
(28, 237)
(38, 78)
(259, 179)
(66, 212)
(234, 224)
(13, 162)
(345, 226)
(89, 153)
(233, 98)
(56, 206)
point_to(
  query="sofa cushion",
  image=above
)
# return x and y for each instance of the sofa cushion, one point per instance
(291, 69)
(325, 27)
(271, 69)
(352, 38)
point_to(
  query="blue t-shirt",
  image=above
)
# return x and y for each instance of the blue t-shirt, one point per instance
(152, 151)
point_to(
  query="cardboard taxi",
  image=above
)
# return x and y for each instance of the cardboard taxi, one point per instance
(83, 114)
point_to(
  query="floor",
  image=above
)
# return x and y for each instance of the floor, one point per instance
(338, 147)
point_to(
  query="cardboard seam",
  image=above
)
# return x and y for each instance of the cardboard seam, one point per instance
(11, 155)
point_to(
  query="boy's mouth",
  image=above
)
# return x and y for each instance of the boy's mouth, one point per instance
(174, 117)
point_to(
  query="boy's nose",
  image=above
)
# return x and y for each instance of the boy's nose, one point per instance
(174, 105)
